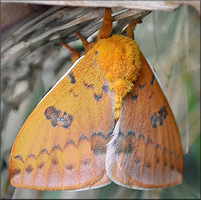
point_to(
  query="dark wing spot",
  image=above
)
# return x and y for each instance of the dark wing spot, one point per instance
(121, 134)
(72, 78)
(141, 135)
(148, 165)
(51, 112)
(54, 161)
(150, 96)
(68, 122)
(31, 155)
(56, 147)
(129, 147)
(149, 140)
(108, 135)
(99, 148)
(16, 172)
(43, 151)
(137, 160)
(83, 137)
(69, 167)
(153, 120)
(119, 142)
(54, 123)
(158, 146)
(41, 165)
(105, 88)
(29, 169)
(19, 157)
(88, 86)
(86, 162)
(71, 91)
(159, 117)
(69, 142)
(98, 143)
(99, 133)
(98, 97)
(153, 79)
(134, 97)
(172, 167)
(54, 116)
(131, 133)
(142, 86)
(163, 112)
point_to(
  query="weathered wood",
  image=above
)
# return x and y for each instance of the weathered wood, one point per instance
(144, 5)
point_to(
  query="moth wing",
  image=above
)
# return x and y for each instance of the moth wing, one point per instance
(145, 151)
(62, 144)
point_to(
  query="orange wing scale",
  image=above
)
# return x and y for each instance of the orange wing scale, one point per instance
(146, 151)
(66, 150)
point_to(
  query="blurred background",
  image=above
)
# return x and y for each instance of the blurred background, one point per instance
(33, 59)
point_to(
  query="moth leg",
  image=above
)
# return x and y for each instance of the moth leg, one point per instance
(75, 55)
(131, 27)
(104, 31)
(87, 45)
(106, 28)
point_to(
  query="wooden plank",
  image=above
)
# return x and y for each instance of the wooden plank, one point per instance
(144, 5)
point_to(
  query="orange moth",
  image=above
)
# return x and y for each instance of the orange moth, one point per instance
(105, 120)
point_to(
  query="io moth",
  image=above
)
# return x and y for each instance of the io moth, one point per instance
(107, 119)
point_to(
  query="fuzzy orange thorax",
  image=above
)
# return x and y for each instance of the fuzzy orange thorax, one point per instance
(119, 57)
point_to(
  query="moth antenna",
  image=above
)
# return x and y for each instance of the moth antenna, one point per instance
(106, 28)
(87, 45)
(131, 27)
(75, 55)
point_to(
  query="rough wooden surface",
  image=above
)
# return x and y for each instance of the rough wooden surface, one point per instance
(144, 5)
